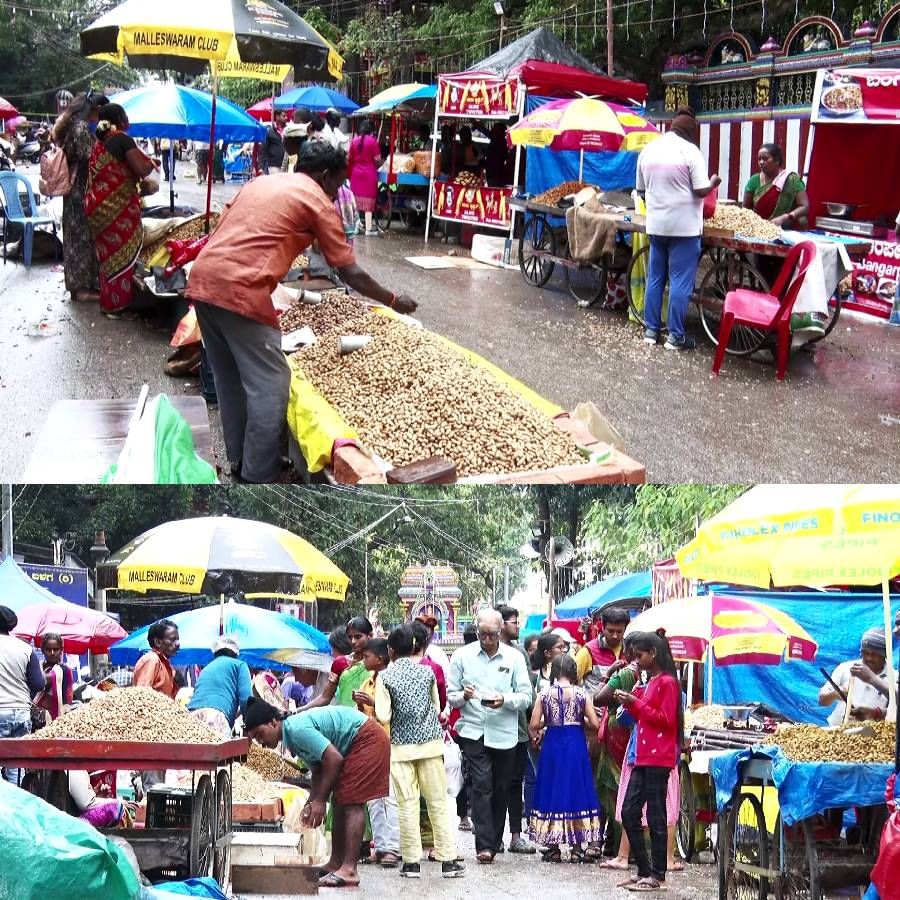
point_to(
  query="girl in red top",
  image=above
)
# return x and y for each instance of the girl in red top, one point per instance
(659, 716)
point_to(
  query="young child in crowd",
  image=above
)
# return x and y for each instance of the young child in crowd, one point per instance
(565, 808)
(654, 752)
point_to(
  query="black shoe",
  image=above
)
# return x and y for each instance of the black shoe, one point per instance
(452, 870)
(413, 870)
(685, 343)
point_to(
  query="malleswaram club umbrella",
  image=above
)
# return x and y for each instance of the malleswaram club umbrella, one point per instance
(814, 535)
(81, 629)
(257, 631)
(218, 555)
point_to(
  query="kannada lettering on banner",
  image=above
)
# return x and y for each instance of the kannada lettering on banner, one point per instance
(875, 279)
(857, 96)
(479, 205)
(485, 96)
(63, 581)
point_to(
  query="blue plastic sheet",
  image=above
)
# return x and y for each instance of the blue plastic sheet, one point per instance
(194, 887)
(835, 621)
(613, 171)
(804, 788)
(619, 587)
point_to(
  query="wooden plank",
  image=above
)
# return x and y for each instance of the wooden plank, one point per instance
(80, 439)
(301, 880)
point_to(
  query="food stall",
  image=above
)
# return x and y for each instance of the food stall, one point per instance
(853, 140)
(379, 398)
(496, 89)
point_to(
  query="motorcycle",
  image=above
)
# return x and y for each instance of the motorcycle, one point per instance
(30, 152)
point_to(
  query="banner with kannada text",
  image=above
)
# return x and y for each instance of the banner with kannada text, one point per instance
(487, 206)
(482, 96)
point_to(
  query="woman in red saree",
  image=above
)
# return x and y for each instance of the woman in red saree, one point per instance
(113, 208)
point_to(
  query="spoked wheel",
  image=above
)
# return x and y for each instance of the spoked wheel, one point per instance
(222, 853)
(728, 275)
(794, 856)
(384, 207)
(201, 847)
(587, 285)
(686, 831)
(636, 283)
(835, 305)
(535, 245)
(746, 856)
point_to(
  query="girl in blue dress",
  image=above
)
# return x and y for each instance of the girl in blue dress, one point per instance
(565, 809)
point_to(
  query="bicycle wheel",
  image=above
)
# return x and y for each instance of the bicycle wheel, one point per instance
(685, 834)
(747, 851)
(835, 305)
(728, 275)
(536, 245)
(587, 285)
(636, 282)
(384, 207)
(795, 857)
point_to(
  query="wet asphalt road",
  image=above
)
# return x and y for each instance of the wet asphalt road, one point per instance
(835, 418)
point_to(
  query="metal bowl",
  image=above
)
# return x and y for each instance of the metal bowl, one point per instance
(737, 713)
(841, 209)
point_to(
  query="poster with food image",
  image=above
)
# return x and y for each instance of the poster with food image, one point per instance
(874, 281)
(478, 205)
(857, 96)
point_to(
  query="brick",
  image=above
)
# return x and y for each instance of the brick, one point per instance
(350, 465)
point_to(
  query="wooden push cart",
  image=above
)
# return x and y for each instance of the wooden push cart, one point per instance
(728, 261)
(198, 843)
(759, 858)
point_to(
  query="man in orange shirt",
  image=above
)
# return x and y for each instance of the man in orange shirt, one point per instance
(258, 236)
(153, 669)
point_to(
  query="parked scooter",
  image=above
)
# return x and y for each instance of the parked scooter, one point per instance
(30, 152)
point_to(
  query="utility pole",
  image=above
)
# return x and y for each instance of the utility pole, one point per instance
(506, 586)
(609, 38)
(552, 557)
(6, 547)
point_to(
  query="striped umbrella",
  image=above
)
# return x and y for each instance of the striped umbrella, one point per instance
(7, 110)
(221, 555)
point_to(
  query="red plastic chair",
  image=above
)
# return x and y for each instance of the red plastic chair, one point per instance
(768, 312)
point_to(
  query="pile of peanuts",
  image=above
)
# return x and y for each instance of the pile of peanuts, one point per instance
(410, 396)
(131, 714)
(743, 222)
(267, 763)
(809, 743)
(187, 231)
(336, 313)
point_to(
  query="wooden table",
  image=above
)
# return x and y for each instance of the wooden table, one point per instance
(80, 439)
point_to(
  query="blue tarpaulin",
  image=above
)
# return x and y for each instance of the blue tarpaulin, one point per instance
(619, 587)
(835, 621)
(805, 789)
(612, 171)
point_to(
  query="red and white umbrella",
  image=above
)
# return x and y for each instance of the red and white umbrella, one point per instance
(7, 110)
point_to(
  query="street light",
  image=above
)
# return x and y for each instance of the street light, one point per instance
(500, 10)
(99, 554)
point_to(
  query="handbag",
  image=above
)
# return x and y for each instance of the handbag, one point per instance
(452, 765)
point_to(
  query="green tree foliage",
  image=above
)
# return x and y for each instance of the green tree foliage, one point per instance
(39, 53)
(629, 535)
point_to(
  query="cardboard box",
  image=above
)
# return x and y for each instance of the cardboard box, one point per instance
(301, 880)
(266, 849)
(494, 251)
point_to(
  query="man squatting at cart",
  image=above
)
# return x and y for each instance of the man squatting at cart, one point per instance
(257, 238)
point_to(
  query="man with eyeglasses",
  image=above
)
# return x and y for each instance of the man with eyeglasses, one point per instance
(489, 684)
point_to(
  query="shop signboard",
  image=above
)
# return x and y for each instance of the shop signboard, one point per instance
(487, 206)
(857, 97)
(68, 583)
(875, 279)
(484, 96)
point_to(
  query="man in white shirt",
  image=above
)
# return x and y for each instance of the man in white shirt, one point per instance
(489, 682)
(671, 173)
(339, 140)
(864, 679)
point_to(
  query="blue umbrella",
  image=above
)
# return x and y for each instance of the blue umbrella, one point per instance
(17, 590)
(316, 99)
(183, 114)
(619, 587)
(257, 631)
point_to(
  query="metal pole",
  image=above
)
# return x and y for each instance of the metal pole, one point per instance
(212, 151)
(552, 555)
(172, 175)
(6, 548)
(506, 586)
(609, 38)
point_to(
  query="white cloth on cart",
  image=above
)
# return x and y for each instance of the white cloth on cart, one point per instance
(831, 265)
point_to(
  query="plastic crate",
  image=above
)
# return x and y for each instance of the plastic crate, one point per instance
(169, 808)
(266, 827)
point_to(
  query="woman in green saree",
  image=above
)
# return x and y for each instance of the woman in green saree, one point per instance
(776, 194)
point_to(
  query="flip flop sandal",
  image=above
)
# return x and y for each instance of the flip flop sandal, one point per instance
(485, 857)
(333, 880)
(576, 855)
(389, 860)
(628, 882)
(611, 864)
(677, 867)
(553, 855)
(646, 886)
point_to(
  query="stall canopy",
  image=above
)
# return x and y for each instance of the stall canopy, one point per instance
(619, 587)
(545, 65)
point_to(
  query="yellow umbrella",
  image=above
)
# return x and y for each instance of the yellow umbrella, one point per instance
(222, 555)
(813, 535)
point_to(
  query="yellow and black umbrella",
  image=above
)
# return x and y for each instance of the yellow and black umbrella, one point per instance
(222, 555)
(186, 36)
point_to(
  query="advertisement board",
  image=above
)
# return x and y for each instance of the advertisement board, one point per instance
(485, 96)
(857, 97)
(65, 582)
(487, 206)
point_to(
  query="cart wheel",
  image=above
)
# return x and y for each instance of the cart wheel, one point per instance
(746, 852)
(537, 237)
(201, 847)
(685, 834)
(729, 275)
(384, 205)
(587, 285)
(636, 283)
(794, 856)
(835, 305)
(222, 854)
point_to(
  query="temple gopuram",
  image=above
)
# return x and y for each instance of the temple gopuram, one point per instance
(433, 589)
